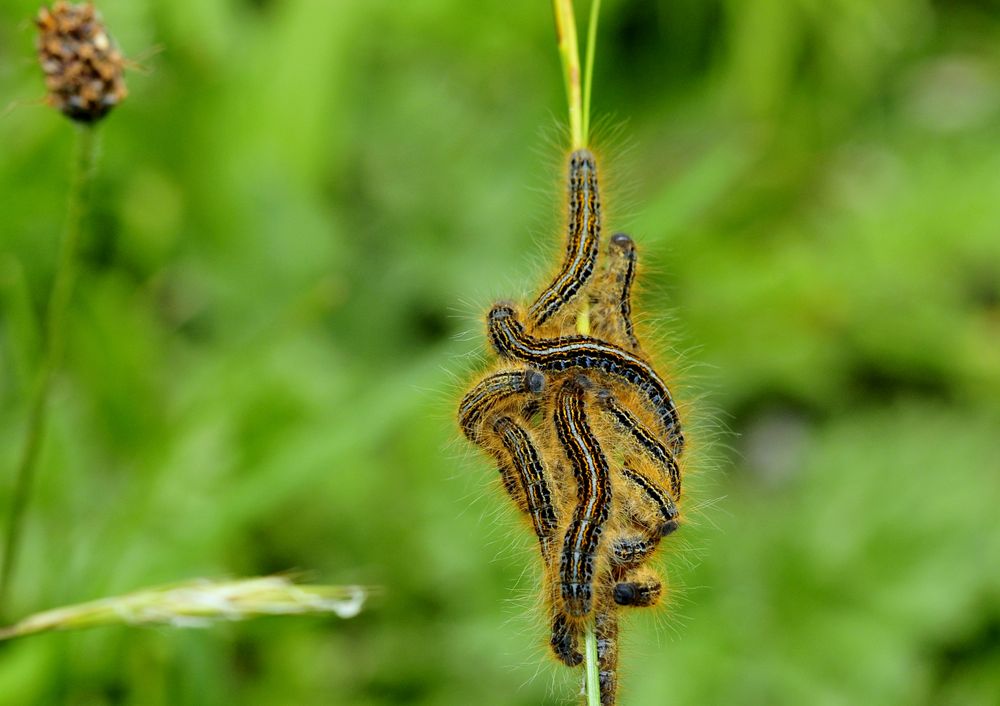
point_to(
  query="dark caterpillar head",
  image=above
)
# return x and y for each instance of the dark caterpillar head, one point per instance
(501, 311)
(534, 381)
(626, 593)
(669, 526)
(605, 397)
(643, 593)
(503, 327)
(623, 241)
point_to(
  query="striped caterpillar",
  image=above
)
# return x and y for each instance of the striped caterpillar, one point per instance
(585, 433)
(582, 240)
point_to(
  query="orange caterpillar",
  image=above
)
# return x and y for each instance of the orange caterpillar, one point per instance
(585, 433)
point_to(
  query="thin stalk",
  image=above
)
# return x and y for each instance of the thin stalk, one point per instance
(579, 123)
(569, 52)
(588, 66)
(593, 675)
(59, 298)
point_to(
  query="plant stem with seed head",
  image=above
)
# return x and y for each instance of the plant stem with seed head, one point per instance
(59, 298)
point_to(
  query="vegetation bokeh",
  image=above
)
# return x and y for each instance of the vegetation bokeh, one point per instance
(302, 211)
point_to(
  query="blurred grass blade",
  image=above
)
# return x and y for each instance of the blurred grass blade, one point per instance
(198, 604)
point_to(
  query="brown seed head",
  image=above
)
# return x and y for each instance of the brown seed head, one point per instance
(83, 67)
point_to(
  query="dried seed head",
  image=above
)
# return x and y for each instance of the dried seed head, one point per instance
(83, 67)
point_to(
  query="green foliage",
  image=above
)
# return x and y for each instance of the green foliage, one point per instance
(303, 204)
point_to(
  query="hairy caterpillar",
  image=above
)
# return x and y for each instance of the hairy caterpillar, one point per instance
(611, 295)
(528, 468)
(492, 392)
(593, 482)
(642, 438)
(606, 627)
(642, 589)
(582, 240)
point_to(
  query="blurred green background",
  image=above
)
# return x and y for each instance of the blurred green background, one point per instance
(303, 210)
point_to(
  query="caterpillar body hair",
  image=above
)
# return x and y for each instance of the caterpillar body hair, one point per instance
(644, 439)
(611, 295)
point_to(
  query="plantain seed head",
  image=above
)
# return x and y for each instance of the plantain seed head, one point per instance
(83, 66)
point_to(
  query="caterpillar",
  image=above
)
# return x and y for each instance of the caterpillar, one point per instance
(565, 638)
(642, 589)
(664, 520)
(593, 482)
(606, 629)
(510, 340)
(528, 468)
(491, 392)
(641, 437)
(583, 238)
(611, 298)
(656, 516)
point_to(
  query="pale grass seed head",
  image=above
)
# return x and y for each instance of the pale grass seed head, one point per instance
(199, 603)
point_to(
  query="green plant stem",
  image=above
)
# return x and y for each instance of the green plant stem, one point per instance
(59, 298)
(579, 122)
(588, 66)
(593, 676)
(569, 52)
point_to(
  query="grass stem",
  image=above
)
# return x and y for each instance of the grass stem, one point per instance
(579, 122)
(593, 678)
(588, 66)
(569, 52)
(52, 351)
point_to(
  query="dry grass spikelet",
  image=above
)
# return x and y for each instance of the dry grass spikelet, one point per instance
(83, 67)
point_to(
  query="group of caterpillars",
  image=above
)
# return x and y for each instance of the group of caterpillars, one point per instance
(584, 431)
